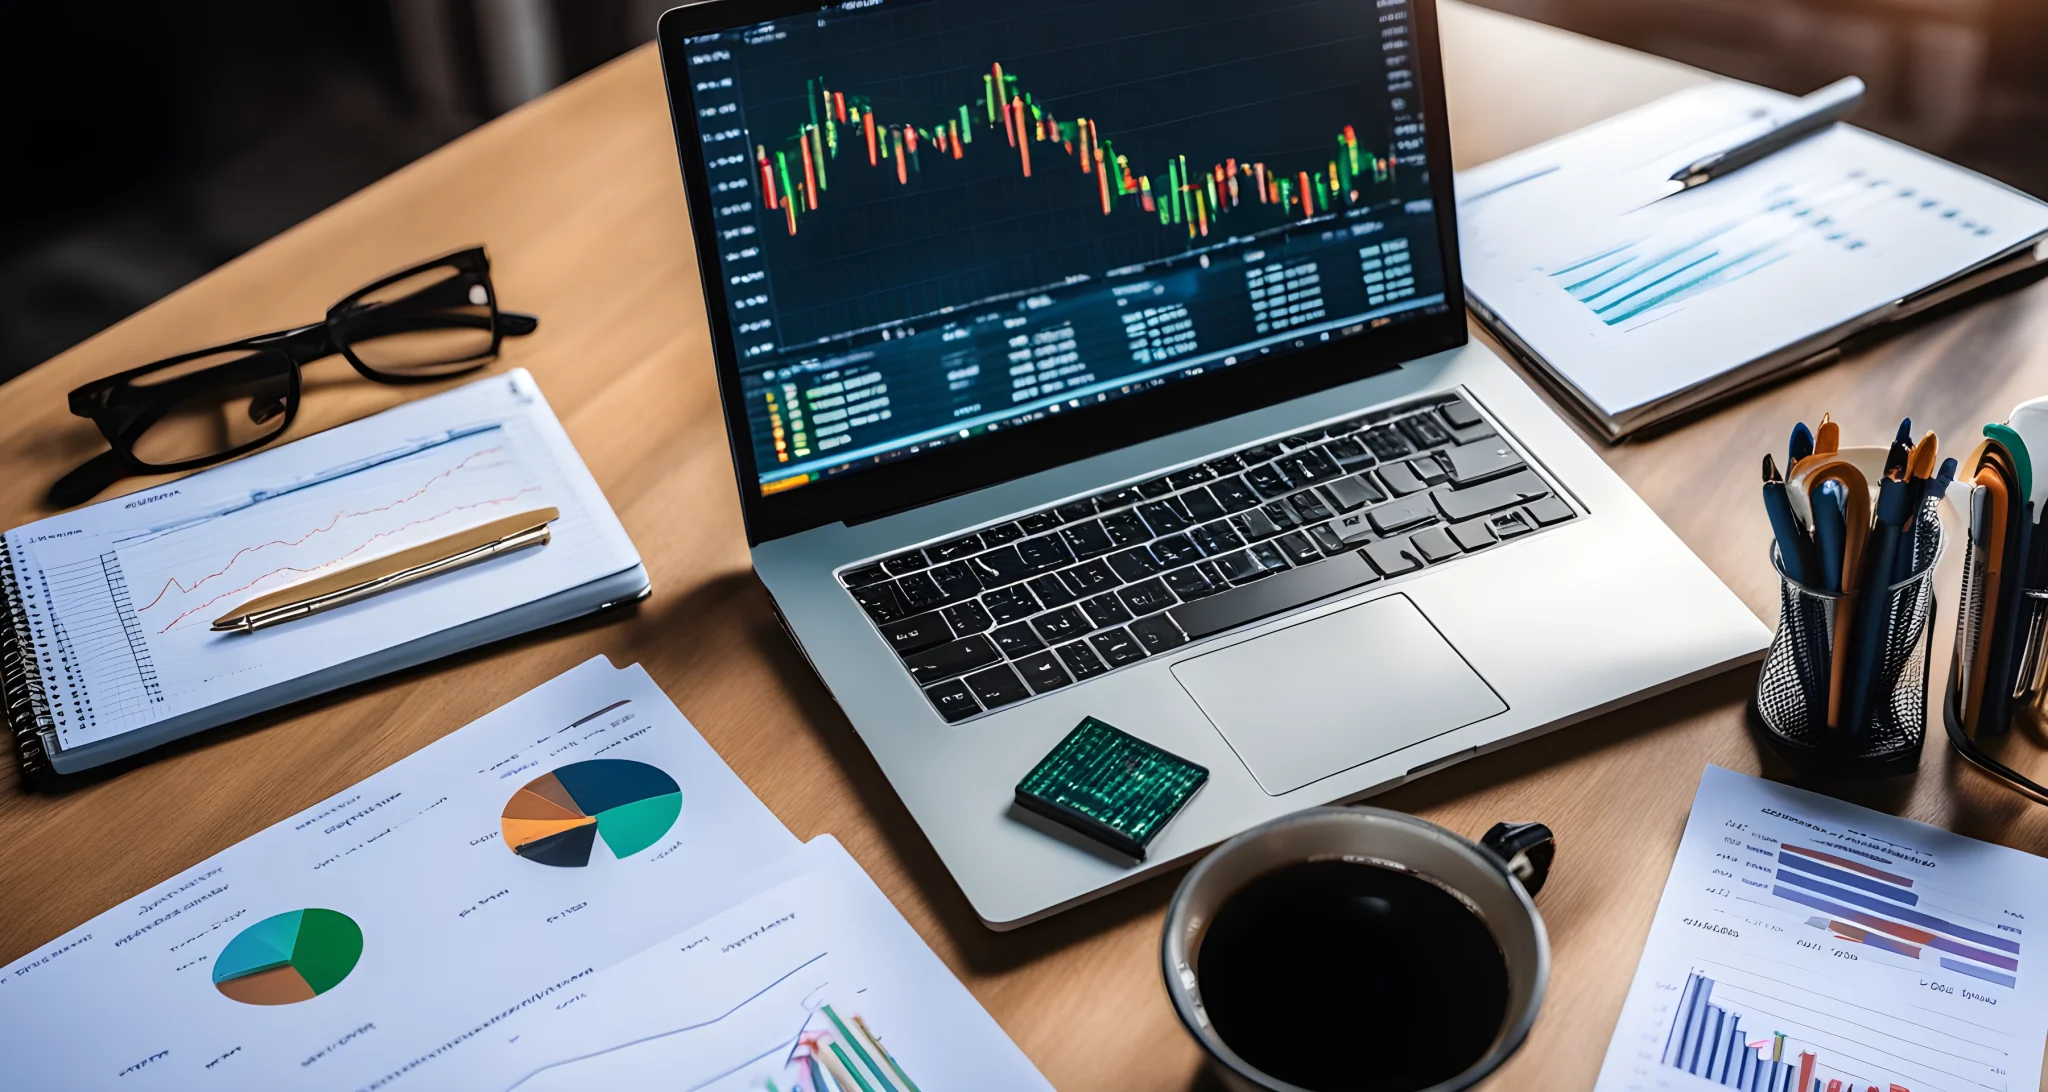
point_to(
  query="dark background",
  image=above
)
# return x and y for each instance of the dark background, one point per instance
(149, 143)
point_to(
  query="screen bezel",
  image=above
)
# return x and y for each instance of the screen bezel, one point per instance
(875, 491)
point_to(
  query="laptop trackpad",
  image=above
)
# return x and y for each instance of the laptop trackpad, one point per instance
(1318, 698)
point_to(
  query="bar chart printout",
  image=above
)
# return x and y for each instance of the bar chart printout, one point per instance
(1803, 944)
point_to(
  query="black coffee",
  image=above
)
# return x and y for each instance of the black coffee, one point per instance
(1338, 976)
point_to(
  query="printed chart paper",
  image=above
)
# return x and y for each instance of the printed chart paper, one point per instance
(1808, 945)
(814, 984)
(388, 936)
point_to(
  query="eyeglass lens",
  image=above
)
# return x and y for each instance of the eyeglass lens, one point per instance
(433, 322)
(211, 405)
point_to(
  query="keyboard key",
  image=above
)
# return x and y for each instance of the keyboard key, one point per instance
(1088, 540)
(1117, 647)
(1401, 479)
(1386, 442)
(969, 617)
(1078, 510)
(1510, 524)
(992, 537)
(881, 601)
(1158, 633)
(1117, 498)
(954, 550)
(1190, 583)
(1470, 463)
(1280, 592)
(1393, 557)
(1435, 545)
(1166, 516)
(908, 562)
(1051, 591)
(1044, 553)
(955, 581)
(1010, 604)
(953, 701)
(1472, 534)
(1017, 639)
(1261, 454)
(1298, 548)
(1303, 439)
(1349, 494)
(1519, 487)
(1309, 505)
(1175, 550)
(1352, 529)
(1089, 578)
(1550, 510)
(953, 658)
(1061, 624)
(1254, 525)
(1216, 538)
(921, 592)
(1194, 475)
(1080, 660)
(1135, 563)
(863, 576)
(1269, 556)
(1281, 515)
(1396, 515)
(1424, 429)
(1349, 453)
(1269, 480)
(1000, 566)
(997, 687)
(1147, 597)
(1233, 494)
(1156, 488)
(1106, 610)
(1043, 672)
(1427, 468)
(1202, 505)
(1126, 528)
(1309, 467)
(1038, 521)
(1460, 413)
(1326, 539)
(916, 633)
(1241, 567)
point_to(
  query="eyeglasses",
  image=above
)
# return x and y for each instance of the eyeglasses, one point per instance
(429, 322)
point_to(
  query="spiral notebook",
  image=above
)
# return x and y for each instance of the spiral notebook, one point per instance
(108, 650)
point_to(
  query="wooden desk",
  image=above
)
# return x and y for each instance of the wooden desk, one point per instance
(578, 198)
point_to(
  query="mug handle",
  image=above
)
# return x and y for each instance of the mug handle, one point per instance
(1527, 850)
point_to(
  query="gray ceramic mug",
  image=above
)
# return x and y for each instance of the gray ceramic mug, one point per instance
(1494, 878)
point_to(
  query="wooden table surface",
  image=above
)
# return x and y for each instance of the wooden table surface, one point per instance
(578, 198)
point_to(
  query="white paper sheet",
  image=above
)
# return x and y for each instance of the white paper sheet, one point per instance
(1803, 943)
(124, 591)
(459, 936)
(811, 981)
(1632, 301)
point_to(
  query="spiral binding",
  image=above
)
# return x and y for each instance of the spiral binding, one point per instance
(21, 681)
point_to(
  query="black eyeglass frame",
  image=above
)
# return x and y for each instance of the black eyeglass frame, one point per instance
(123, 422)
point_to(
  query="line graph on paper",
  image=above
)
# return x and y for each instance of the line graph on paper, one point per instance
(188, 577)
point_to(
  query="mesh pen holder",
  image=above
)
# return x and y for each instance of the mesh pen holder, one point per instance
(1793, 689)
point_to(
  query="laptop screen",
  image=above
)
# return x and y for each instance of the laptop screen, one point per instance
(938, 219)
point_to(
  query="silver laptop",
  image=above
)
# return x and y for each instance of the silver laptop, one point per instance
(1109, 360)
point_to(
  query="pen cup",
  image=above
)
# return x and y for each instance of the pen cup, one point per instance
(1794, 687)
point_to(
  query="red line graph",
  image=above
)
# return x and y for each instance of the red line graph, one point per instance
(360, 547)
(331, 524)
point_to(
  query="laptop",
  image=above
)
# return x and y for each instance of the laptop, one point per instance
(1109, 360)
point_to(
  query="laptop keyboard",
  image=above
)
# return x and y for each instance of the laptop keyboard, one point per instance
(1033, 604)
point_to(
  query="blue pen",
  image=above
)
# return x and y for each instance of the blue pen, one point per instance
(1793, 547)
(1802, 445)
(1866, 639)
(1830, 533)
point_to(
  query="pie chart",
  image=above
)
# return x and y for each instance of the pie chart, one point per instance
(287, 958)
(557, 818)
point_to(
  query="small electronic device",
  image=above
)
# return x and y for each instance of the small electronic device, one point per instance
(1110, 785)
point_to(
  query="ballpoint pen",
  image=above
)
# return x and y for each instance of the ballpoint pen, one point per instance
(1793, 548)
(395, 570)
(1801, 447)
(1817, 111)
(1868, 631)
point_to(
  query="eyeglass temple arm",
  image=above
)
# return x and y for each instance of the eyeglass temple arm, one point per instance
(517, 324)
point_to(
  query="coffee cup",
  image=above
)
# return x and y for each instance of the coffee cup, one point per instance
(1357, 948)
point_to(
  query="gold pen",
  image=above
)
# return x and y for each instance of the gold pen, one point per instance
(394, 570)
